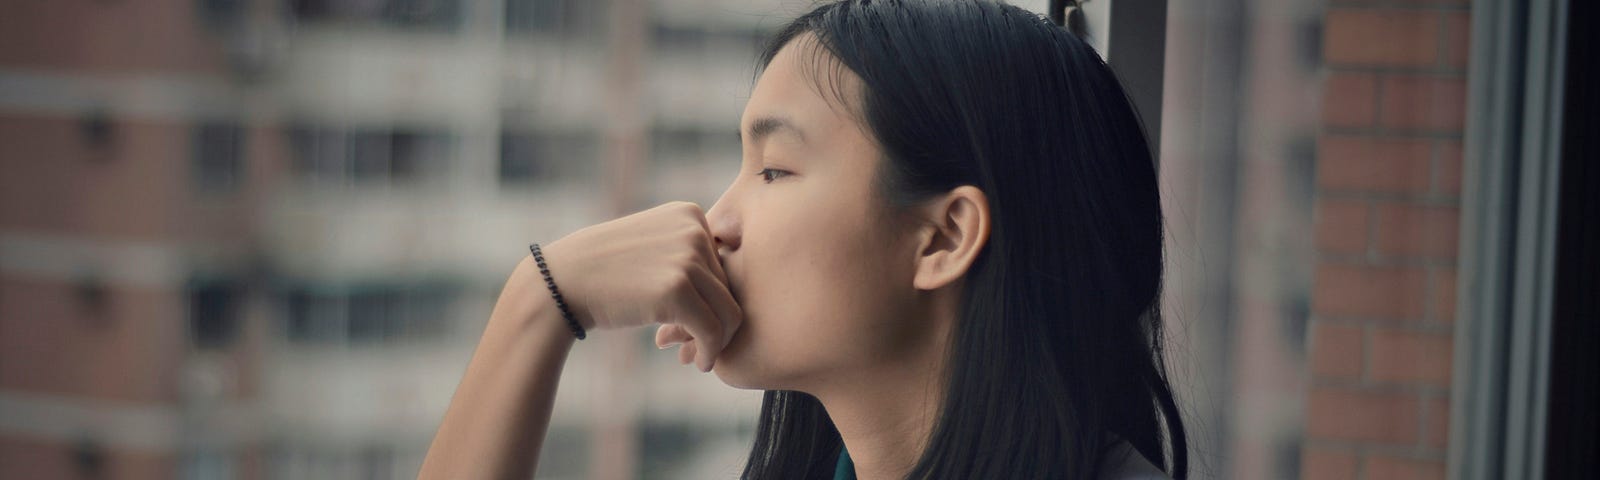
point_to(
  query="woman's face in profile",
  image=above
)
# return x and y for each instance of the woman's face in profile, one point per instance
(824, 280)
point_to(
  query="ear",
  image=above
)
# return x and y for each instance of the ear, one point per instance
(955, 230)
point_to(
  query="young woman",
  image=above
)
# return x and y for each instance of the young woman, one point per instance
(941, 258)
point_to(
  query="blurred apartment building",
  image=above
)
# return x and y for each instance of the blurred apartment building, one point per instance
(259, 238)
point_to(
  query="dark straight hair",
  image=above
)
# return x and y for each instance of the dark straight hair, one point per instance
(1057, 354)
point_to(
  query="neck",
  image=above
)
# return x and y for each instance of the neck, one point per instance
(886, 414)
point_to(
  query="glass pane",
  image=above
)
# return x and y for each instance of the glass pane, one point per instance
(279, 226)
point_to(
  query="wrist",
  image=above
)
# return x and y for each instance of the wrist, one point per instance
(568, 314)
(528, 309)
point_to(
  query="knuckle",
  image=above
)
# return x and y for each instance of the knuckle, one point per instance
(678, 207)
(690, 208)
(692, 233)
(703, 245)
(682, 282)
(674, 284)
(686, 261)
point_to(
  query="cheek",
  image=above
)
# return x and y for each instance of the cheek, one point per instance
(818, 292)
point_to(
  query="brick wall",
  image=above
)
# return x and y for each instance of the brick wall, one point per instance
(108, 37)
(99, 382)
(1386, 214)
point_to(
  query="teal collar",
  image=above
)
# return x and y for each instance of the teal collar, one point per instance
(845, 469)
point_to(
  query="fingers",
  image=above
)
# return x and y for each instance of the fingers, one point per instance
(699, 310)
(703, 310)
(716, 295)
(671, 334)
(714, 262)
(694, 315)
(687, 352)
(694, 211)
(706, 245)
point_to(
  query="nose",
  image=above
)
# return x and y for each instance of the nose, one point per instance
(725, 228)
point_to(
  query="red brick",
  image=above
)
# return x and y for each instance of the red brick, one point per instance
(1362, 163)
(1342, 226)
(1398, 355)
(1448, 177)
(1431, 103)
(108, 37)
(1417, 230)
(1336, 350)
(1384, 467)
(57, 182)
(1444, 295)
(1436, 422)
(1457, 37)
(31, 458)
(1320, 463)
(128, 350)
(1365, 416)
(1350, 100)
(1381, 37)
(1369, 291)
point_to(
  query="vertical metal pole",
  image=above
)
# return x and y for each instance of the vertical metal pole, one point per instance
(1132, 36)
(1136, 47)
(1501, 379)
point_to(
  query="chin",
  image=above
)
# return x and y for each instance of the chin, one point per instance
(741, 365)
(735, 378)
(737, 366)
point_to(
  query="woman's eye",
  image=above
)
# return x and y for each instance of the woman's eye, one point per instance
(768, 174)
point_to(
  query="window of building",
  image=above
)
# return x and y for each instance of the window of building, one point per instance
(530, 156)
(214, 312)
(218, 14)
(410, 14)
(677, 144)
(207, 464)
(366, 314)
(218, 156)
(673, 37)
(303, 458)
(520, 159)
(666, 36)
(369, 156)
(550, 17)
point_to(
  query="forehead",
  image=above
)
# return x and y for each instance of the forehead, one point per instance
(809, 88)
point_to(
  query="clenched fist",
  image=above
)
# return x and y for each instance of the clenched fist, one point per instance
(658, 266)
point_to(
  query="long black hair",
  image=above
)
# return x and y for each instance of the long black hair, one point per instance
(1057, 353)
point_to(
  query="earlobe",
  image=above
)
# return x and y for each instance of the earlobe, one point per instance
(957, 230)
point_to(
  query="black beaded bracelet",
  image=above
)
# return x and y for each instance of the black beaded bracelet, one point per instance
(538, 258)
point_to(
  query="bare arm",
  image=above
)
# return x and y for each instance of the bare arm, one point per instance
(656, 267)
(497, 419)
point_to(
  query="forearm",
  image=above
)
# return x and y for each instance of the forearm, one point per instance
(497, 419)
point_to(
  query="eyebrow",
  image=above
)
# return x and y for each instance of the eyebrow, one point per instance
(766, 126)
